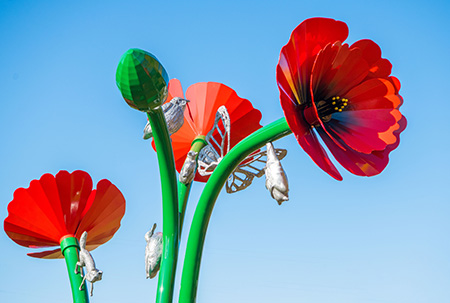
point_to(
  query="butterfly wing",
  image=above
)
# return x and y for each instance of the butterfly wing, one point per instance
(252, 166)
(218, 145)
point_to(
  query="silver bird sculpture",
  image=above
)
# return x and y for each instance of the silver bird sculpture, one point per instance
(153, 252)
(276, 180)
(174, 114)
(85, 260)
(187, 172)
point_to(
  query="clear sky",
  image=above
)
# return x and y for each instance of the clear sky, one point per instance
(383, 239)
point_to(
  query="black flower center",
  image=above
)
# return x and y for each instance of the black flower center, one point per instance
(328, 107)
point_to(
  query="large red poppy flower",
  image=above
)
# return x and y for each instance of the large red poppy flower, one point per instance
(343, 93)
(55, 207)
(205, 98)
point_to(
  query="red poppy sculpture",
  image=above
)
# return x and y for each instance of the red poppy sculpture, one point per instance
(56, 207)
(345, 94)
(205, 98)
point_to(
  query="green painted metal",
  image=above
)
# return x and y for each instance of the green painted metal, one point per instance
(183, 190)
(69, 249)
(170, 206)
(142, 80)
(198, 143)
(183, 196)
(197, 233)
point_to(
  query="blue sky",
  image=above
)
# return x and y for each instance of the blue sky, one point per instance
(383, 239)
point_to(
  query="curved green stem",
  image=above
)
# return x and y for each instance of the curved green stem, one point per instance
(169, 203)
(69, 249)
(191, 267)
(184, 189)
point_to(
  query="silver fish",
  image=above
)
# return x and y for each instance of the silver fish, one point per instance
(276, 180)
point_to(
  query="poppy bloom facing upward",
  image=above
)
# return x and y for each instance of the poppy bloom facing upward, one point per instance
(344, 93)
(55, 207)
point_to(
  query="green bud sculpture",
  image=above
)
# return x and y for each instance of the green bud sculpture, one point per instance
(142, 80)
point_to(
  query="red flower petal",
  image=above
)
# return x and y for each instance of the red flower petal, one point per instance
(64, 205)
(49, 254)
(364, 164)
(175, 89)
(361, 132)
(314, 149)
(336, 70)
(370, 113)
(308, 140)
(313, 70)
(297, 56)
(205, 98)
(102, 219)
(379, 67)
(74, 190)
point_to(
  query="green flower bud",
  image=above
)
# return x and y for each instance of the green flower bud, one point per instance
(142, 80)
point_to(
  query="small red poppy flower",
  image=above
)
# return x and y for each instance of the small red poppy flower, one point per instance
(205, 98)
(343, 93)
(55, 207)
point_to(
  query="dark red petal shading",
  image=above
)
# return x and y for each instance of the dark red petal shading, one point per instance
(379, 67)
(297, 56)
(307, 139)
(102, 219)
(361, 131)
(74, 190)
(336, 70)
(370, 112)
(364, 164)
(312, 69)
(48, 254)
(314, 149)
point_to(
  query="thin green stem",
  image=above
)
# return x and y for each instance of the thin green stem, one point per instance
(197, 233)
(184, 189)
(170, 206)
(69, 249)
(183, 195)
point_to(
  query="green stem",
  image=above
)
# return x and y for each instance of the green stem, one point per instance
(183, 195)
(197, 233)
(69, 249)
(169, 203)
(183, 189)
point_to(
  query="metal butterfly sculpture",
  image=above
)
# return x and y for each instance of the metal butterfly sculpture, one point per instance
(209, 158)
(252, 166)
